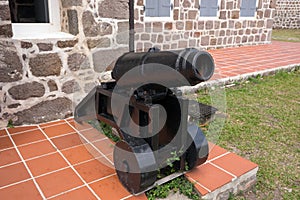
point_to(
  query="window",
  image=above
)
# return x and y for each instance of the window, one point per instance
(248, 8)
(209, 8)
(158, 8)
(35, 19)
(29, 11)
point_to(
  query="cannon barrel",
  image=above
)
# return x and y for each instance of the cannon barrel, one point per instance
(196, 66)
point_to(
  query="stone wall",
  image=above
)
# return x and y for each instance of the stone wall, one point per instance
(42, 79)
(189, 29)
(287, 14)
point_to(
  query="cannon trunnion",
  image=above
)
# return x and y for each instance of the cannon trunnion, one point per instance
(150, 115)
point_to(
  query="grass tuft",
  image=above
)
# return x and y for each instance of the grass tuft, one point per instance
(286, 35)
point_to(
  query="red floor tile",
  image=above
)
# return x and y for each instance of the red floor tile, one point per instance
(46, 164)
(22, 191)
(58, 129)
(215, 151)
(80, 126)
(209, 176)
(92, 135)
(200, 189)
(93, 170)
(105, 146)
(8, 157)
(48, 124)
(79, 194)
(5, 143)
(28, 137)
(94, 151)
(110, 188)
(110, 157)
(58, 182)
(36, 149)
(77, 154)
(235, 164)
(12, 174)
(68, 141)
(21, 129)
(3, 133)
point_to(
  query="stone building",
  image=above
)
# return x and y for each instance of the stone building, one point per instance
(287, 14)
(49, 60)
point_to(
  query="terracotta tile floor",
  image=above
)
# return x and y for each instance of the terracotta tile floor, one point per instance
(59, 160)
(236, 61)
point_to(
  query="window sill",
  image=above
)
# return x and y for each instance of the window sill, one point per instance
(248, 18)
(43, 36)
(208, 18)
(158, 19)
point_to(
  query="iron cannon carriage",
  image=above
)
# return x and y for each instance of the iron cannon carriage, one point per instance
(143, 103)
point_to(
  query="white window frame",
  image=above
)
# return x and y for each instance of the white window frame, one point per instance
(41, 30)
(210, 17)
(255, 13)
(160, 19)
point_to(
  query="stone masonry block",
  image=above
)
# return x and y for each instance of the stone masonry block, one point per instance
(45, 46)
(116, 9)
(123, 27)
(223, 14)
(157, 27)
(67, 43)
(189, 25)
(103, 58)
(200, 25)
(52, 85)
(99, 43)
(45, 65)
(267, 13)
(209, 25)
(70, 87)
(27, 90)
(204, 40)
(77, 61)
(179, 25)
(168, 26)
(182, 44)
(73, 22)
(69, 3)
(192, 14)
(45, 111)
(235, 14)
(5, 13)
(93, 29)
(11, 68)
(26, 45)
(186, 4)
(176, 14)
(6, 30)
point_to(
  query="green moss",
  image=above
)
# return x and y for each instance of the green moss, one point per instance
(104, 129)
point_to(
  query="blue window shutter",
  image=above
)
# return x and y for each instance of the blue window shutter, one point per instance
(164, 8)
(151, 8)
(248, 8)
(208, 8)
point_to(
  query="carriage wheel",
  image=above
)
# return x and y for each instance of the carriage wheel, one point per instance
(135, 165)
(197, 153)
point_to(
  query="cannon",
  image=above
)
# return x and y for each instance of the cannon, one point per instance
(142, 102)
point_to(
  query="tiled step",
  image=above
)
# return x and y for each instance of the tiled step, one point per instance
(59, 160)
